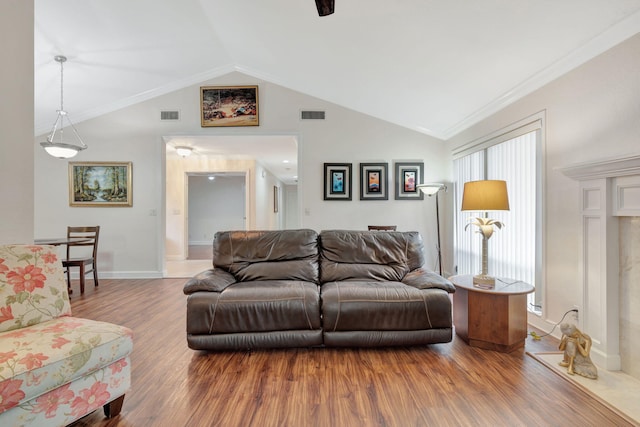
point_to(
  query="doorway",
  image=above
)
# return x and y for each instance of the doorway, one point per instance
(215, 202)
(225, 154)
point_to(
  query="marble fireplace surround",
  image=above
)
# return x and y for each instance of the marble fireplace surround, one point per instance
(609, 270)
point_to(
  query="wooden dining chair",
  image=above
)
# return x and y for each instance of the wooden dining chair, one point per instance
(382, 227)
(87, 262)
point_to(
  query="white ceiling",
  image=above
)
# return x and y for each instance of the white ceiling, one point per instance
(433, 66)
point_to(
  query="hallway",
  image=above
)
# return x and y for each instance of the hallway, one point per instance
(199, 260)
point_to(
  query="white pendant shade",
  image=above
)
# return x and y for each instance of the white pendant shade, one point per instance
(61, 151)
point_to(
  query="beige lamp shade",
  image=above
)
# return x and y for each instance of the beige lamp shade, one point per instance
(487, 195)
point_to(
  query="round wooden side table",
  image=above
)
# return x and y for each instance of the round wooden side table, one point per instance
(492, 319)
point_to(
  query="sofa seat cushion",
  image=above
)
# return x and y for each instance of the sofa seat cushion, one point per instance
(255, 306)
(383, 306)
(45, 356)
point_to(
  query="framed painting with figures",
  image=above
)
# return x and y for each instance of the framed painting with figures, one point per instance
(223, 106)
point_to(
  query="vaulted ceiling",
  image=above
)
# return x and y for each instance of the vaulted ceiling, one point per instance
(433, 66)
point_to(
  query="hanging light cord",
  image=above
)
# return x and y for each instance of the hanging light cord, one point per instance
(62, 82)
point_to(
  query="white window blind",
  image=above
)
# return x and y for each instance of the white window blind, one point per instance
(468, 245)
(513, 251)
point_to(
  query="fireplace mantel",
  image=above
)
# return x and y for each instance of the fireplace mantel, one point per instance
(622, 166)
(608, 189)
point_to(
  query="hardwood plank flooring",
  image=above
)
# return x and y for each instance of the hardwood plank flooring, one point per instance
(442, 385)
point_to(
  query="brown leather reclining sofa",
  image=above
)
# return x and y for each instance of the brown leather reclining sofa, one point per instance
(298, 288)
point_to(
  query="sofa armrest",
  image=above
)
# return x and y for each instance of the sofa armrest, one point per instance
(423, 278)
(212, 280)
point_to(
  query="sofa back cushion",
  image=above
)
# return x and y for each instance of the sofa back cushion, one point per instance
(267, 255)
(369, 255)
(32, 286)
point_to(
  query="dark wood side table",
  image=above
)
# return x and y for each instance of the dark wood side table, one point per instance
(492, 319)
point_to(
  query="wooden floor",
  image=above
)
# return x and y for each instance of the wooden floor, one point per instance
(438, 385)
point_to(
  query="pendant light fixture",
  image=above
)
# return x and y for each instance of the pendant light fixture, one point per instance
(62, 149)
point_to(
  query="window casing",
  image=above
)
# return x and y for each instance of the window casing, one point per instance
(515, 251)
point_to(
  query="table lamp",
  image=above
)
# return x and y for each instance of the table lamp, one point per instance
(485, 196)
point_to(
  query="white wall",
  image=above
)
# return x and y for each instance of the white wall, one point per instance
(132, 238)
(291, 212)
(592, 113)
(16, 121)
(266, 218)
(214, 205)
(356, 138)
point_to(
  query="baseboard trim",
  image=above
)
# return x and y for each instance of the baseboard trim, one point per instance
(122, 275)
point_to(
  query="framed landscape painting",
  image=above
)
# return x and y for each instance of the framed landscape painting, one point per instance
(337, 181)
(374, 181)
(100, 184)
(408, 176)
(222, 106)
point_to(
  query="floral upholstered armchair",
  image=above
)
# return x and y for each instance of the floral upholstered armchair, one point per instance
(54, 368)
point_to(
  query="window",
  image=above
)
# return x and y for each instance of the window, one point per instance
(515, 251)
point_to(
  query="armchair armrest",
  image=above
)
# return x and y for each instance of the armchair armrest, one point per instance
(212, 280)
(423, 278)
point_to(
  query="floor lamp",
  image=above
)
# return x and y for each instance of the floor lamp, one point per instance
(485, 196)
(430, 190)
